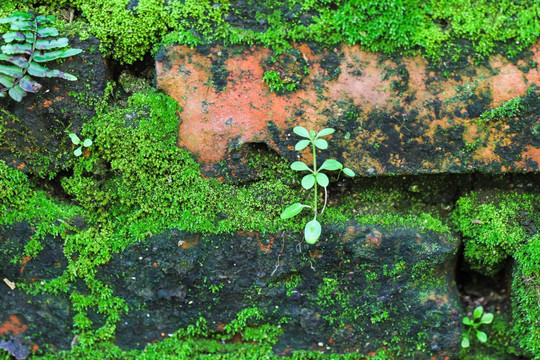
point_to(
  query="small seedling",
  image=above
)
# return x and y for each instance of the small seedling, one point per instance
(312, 230)
(76, 141)
(479, 318)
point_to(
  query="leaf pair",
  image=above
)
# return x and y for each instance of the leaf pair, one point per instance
(308, 181)
(314, 138)
(77, 141)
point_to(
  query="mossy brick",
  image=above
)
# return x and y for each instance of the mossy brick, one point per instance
(360, 284)
(384, 126)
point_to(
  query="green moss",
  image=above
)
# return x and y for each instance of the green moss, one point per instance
(20, 203)
(494, 229)
(124, 34)
(198, 342)
(434, 28)
(136, 175)
(526, 296)
(486, 24)
(491, 228)
(510, 108)
(276, 84)
(390, 204)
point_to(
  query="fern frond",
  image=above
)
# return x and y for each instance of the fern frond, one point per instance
(31, 41)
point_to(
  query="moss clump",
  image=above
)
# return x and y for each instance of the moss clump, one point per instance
(492, 230)
(435, 28)
(526, 296)
(127, 33)
(198, 342)
(20, 203)
(136, 176)
(514, 111)
(501, 227)
(389, 203)
(14, 188)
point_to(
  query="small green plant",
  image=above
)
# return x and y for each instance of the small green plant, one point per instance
(478, 319)
(77, 141)
(31, 40)
(312, 230)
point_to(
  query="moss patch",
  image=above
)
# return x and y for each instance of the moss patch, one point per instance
(439, 29)
(492, 229)
(505, 226)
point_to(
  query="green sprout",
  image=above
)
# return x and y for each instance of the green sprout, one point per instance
(312, 230)
(76, 141)
(478, 319)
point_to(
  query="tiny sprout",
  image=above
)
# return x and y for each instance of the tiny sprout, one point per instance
(312, 230)
(478, 319)
(76, 141)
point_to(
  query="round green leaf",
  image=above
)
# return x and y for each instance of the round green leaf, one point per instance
(321, 144)
(301, 131)
(322, 179)
(301, 145)
(331, 164)
(467, 321)
(78, 151)
(325, 132)
(308, 181)
(87, 143)
(487, 318)
(465, 341)
(74, 138)
(292, 210)
(312, 231)
(482, 336)
(299, 166)
(478, 312)
(348, 172)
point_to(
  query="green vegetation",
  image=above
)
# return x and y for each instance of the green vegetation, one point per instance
(77, 141)
(439, 29)
(497, 228)
(312, 231)
(19, 202)
(491, 230)
(526, 294)
(133, 183)
(30, 41)
(473, 325)
(276, 84)
(508, 109)
(150, 184)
